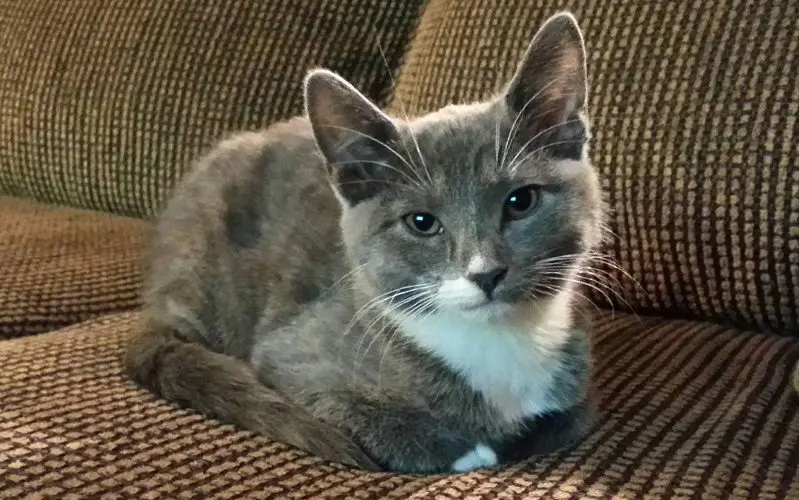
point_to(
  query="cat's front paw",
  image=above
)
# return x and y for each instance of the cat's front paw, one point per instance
(480, 456)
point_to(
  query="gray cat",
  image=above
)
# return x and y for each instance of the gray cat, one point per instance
(391, 294)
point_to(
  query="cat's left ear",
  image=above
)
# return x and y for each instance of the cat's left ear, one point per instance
(353, 134)
(550, 84)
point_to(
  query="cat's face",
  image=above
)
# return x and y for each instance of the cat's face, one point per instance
(472, 209)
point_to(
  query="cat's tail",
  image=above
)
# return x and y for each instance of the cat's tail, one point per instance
(184, 371)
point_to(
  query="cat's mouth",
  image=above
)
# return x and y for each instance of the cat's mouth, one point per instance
(478, 305)
(485, 309)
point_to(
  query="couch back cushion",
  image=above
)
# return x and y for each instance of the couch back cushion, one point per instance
(696, 138)
(104, 104)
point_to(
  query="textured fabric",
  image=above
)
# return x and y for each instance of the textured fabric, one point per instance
(104, 103)
(62, 266)
(695, 109)
(687, 409)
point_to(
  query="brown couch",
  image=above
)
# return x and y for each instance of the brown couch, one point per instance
(104, 104)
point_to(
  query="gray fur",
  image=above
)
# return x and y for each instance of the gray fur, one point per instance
(269, 259)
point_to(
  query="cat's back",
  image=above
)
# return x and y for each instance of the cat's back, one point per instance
(253, 173)
(253, 191)
(253, 228)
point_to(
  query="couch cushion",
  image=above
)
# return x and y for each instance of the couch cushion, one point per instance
(104, 104)
(686, 408)
(62, 266)
(694, 108)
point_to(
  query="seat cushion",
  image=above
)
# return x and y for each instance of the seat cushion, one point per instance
(694, 108)
(685, 409)
(104, 104)
(61, 266)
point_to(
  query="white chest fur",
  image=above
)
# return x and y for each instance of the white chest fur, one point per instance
(512, 363)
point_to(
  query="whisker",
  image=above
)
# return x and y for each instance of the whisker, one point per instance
(539, 134)
(385, 297)
(416, 311)
(383, 316)
(405, 113)
(592, 283)
(425, 308)
(374, 302)
(575, 292)
(378, 141)
(575, 306)
(606, 229)
(350, 274)
(617, 294)
(396, 184)
(513, 130)
(496, 143)
(413, 181)
(611, 262)
(515, 167)
(598, 277)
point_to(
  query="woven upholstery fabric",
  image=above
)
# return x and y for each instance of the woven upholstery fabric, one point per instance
(695, 111)
(62, 266)
(104, 103)
(685, 409)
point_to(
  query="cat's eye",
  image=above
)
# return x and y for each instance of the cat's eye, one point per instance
(423, 224)
(521, 202)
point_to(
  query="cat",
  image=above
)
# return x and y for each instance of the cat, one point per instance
(387, 293)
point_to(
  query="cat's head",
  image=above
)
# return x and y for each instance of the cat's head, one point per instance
(474, 208)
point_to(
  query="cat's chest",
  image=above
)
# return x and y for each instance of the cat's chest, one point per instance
(513, 369)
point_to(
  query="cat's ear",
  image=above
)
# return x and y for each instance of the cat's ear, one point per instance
(353, 134)
(550, 84)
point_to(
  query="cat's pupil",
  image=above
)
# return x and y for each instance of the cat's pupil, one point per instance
(423, 222)
(521, 202)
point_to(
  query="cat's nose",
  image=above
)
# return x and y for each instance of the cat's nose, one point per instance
(489, 280)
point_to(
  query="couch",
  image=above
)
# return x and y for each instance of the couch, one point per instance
(104, 104)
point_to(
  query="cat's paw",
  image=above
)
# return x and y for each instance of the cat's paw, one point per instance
(480, 456)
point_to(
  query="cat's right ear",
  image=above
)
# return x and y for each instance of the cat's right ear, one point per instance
(353, 134)
(550, 85)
